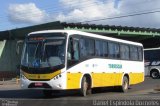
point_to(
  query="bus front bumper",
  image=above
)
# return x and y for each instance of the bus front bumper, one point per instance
(53, 84)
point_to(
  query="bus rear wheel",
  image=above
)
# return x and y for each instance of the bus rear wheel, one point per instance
(155, 74)
(85, 87)
(125, 84)
(47, 93)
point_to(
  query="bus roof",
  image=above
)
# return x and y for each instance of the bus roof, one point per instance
(152, 48)
(70, 32)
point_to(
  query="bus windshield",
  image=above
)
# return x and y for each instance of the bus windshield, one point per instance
(45, 50)
(152, 55)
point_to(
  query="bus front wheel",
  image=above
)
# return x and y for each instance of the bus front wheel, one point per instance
(85, 87)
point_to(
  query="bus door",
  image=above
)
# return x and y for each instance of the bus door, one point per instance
(73, 51)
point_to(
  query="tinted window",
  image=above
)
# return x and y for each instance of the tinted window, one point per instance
(98, 48)
(113, 50)
(105, 49)
(83, 49)
(73, 51)
(140, 53)
(133, 53)
(101, 48)
(86, 47)
(90, 47)
(124, 51)
(152, 55)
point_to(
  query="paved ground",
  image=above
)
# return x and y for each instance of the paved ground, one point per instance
(145, 91)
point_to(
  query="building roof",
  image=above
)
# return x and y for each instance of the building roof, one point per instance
(150, 37)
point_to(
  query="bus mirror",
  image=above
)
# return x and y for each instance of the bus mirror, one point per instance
(18, 46)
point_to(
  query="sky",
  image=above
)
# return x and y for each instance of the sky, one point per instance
(22, 13)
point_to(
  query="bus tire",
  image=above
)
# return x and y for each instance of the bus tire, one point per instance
(47, 93)
(125, 84)
(154, 74)
(85, 87)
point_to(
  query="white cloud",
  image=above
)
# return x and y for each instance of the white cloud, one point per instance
(86, 10)
(137, 6)
(25, 13)
(82, 10)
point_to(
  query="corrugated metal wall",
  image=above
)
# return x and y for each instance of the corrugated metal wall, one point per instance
(9, 59)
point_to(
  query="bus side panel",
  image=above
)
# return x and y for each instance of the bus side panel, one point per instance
(136, 78)
(101, 74)
(73, 80)
(96, 79)
(104, 75)
(118, 79)
(135, 70)
(106, 79)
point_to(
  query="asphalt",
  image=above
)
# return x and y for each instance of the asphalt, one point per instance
(149, 90)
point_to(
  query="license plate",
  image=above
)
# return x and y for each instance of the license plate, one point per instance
(38, 84)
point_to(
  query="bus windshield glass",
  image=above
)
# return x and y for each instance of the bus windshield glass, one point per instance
(44, 50)
(152, 55)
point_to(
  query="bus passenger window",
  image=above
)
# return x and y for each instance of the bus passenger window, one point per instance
(133, 53)
(140, 54)
(76, 50)
(83, 48)
(90, 46)
(98, 48)
(124, 51)
(113, 50)
(86, 47)
(105, 49)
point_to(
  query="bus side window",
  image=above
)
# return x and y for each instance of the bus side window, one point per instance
(98, 48)
(101, 48)
(133, 53)
(105, 49)
(69, 57)
(83, 48)
(140, 53)
(73, 51)
(113, 50)
(124, 52)
(86, 48)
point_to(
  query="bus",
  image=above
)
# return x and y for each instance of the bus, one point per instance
(152, 62)
(70, 59)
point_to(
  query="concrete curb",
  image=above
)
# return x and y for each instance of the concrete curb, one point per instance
(10, 82)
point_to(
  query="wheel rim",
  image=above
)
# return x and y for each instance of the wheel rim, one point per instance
(125, 85)
(85, 86)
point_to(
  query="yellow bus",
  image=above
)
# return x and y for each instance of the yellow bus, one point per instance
(70, 59)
